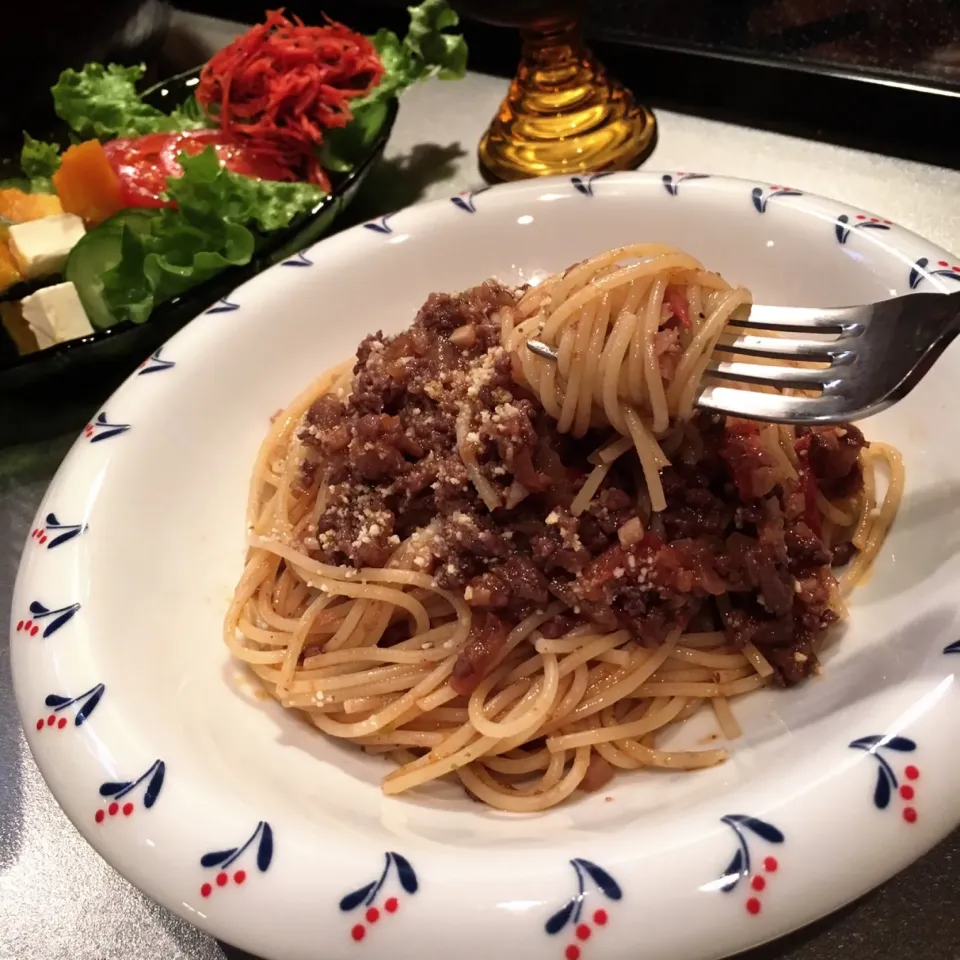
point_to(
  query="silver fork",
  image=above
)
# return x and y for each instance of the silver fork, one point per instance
(872, 356)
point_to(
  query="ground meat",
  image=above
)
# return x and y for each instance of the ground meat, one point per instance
(749, 625)
(484, 644)
(754, 470)
(692, 510)
(599, 774)
(734, 525)
(557, 626)
(834, 456)
(516, 441)
(558, 546)
(842, 553)
(378, 447)
(794, 663)
(488, 590)
(326, 418)
(603, 518)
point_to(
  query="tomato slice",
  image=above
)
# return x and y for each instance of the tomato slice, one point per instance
(144, 163)
(677, 303)
(235, 156)
(139, 164)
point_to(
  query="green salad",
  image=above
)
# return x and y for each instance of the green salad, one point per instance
(144, 205)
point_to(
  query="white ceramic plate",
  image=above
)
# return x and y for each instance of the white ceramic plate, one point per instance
(236, 815)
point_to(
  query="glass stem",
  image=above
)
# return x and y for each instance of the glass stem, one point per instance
(552, 57)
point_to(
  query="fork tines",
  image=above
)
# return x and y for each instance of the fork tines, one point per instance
(810, 364)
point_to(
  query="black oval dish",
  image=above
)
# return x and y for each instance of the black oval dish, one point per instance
(52, 391)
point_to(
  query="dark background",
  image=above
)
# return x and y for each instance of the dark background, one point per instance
(882, 75)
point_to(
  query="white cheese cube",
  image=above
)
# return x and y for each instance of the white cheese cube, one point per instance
(40, 247)
(55, 314)
(43, 341)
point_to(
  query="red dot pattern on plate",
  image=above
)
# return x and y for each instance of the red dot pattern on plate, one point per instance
(758, 884)
(592, 880)
(220, 862)
(372, 910)
(908, 792)
(220, 880)
(583, 933)
(112, 810)
(61, 723)
(372, 915)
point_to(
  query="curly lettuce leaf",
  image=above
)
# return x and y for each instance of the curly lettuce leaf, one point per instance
(209, 188)
(431, 51)
(179, 251)
(426, 51)
(189, 116)
(39, 161)
(102, 101)
(216, 223)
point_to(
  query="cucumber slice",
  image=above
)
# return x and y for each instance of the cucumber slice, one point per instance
(96, 253)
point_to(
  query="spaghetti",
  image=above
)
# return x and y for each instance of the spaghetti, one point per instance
(485, 565)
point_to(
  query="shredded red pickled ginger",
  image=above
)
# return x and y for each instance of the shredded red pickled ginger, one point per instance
(281, 84)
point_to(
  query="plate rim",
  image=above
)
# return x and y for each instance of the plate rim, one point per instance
(225, 925)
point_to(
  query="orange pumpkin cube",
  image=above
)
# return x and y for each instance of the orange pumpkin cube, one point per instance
(19, 207)
(86, 183)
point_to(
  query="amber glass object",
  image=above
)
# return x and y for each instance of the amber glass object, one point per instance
(563, 114)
